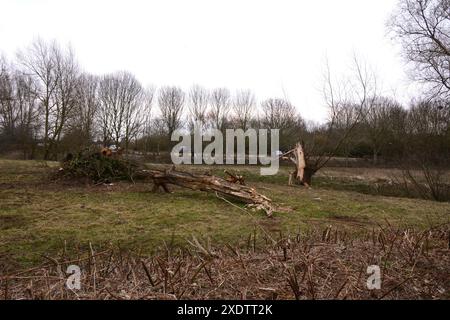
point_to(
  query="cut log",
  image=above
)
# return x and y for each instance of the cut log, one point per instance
(210, 183)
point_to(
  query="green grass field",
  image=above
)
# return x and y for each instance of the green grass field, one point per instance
(39, 216)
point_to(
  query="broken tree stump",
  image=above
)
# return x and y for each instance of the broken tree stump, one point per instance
(210, 183)
(302, 173)
(235, 178)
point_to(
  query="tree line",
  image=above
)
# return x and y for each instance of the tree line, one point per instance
(49, 105)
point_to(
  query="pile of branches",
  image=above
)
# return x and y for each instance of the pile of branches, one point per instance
(97, 167)
(321, 264)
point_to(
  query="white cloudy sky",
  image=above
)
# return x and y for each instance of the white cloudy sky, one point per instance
(275, 48)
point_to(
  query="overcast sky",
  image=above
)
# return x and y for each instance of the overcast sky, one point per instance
(275, 48)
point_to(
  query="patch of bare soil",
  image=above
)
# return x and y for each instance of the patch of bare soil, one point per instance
(325, 264)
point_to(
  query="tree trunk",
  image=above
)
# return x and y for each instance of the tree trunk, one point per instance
(209, 183)
(302, 173)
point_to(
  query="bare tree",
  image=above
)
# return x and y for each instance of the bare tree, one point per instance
(198, 105)
(281, 114)
(147, 117)
(278, 113)
(81, 129)
(346, 116)
(171, 103)
(377, 123)
(243, 104)
(8, 114)
(18, 110)
(429, 118)
(423, 27)
(426, 151)
(123, 100)
(395, 147)
(27, 126)
(38, 61)
(4, 80)
(65, 96)
(312, 154)
(56, 73)
(220, 101)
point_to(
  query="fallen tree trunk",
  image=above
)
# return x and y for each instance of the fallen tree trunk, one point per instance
(210, 183)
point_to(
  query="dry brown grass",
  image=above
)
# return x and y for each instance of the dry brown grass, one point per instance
(372, 175)
(321, 264)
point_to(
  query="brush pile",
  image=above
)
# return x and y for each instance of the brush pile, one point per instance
(97, 167)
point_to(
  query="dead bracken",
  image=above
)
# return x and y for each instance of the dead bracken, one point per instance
(321, 264)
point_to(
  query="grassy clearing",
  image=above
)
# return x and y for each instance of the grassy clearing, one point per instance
(371, 181)
(38, 216)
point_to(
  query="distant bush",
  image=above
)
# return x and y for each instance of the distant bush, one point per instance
(360, 150)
